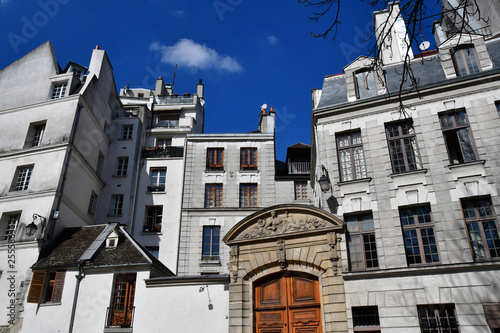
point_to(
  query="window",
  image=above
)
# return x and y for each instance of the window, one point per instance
(121, 166)
(351, 156)
(492, 315)
(59, 90)
(418, 234)
(365, 84)
(157, 178)
(167, 120)
(154, 216)
(213, 195)
(127, 132)
(23, 177)
(215, 159)
(248, 158)
(497, 105)
(361, 241)
(164, 143)
(92, 204)
(465, 60)
(402, 146)
(248, 195)
(437, 318)
(366, 319)
(458, 137)
(35, 134)
(9, 225)
(121, 312)
(210, 247)
(300, 190)
(46, 287)
(116, 205)
(482, 228)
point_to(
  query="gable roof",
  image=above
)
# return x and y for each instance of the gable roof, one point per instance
(88, 244)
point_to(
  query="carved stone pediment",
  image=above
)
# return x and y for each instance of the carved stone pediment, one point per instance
(282, 220)
(282, 224)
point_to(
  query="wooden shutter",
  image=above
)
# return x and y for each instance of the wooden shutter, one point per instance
(36, 288)
(58, 287)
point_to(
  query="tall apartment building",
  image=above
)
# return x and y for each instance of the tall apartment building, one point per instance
(53, 124)
(416, 188)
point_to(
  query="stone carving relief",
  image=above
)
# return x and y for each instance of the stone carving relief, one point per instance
(282, 254)
(282, 224)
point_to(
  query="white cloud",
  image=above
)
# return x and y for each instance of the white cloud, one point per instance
(195, 56)
(272, 39)
(179, 13)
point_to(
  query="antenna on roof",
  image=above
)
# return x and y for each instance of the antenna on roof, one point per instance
(173, 80)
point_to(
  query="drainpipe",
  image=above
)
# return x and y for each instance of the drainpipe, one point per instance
(79, 279)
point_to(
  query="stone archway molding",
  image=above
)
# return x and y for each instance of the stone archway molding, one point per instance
(282, 221)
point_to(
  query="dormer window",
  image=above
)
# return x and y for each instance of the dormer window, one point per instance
(363, 79)
(112, 240)
(465, 60)
(365, 84)
(59, 90)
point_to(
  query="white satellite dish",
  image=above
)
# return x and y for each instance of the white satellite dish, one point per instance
(263, 107)
(424, 46)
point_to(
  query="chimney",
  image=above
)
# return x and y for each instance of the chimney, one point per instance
(200, 89)
(267, 121)
(160, 87)
(393, 44)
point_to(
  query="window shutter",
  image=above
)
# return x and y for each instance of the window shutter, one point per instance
(36, 288)
(58, 287)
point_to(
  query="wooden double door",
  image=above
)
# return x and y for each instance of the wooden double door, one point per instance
(287, 303)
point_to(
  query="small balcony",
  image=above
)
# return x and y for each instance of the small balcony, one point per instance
(163, 152)
(120, 317)
(295, 168)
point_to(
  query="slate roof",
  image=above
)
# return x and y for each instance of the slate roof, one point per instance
(427, 70)
(67, 250)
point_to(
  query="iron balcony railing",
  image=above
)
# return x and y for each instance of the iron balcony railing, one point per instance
(120, 316)
(162, 152)
(299, 167)
(171, 123)
(156, 188)
(188, 99)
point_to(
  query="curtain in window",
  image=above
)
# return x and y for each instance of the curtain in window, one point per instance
(465, 140)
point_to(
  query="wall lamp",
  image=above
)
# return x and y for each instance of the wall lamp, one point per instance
(32, 228)
(324, 180)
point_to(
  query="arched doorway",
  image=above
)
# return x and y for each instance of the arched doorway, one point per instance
(287, 302)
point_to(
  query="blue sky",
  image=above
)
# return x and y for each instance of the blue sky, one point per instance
(248, 52)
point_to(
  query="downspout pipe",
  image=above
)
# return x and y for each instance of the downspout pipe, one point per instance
(79, 279)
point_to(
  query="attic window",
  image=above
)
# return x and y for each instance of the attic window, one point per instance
(465, 60)
(59, 90)
(112, 241)
(365, 84)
